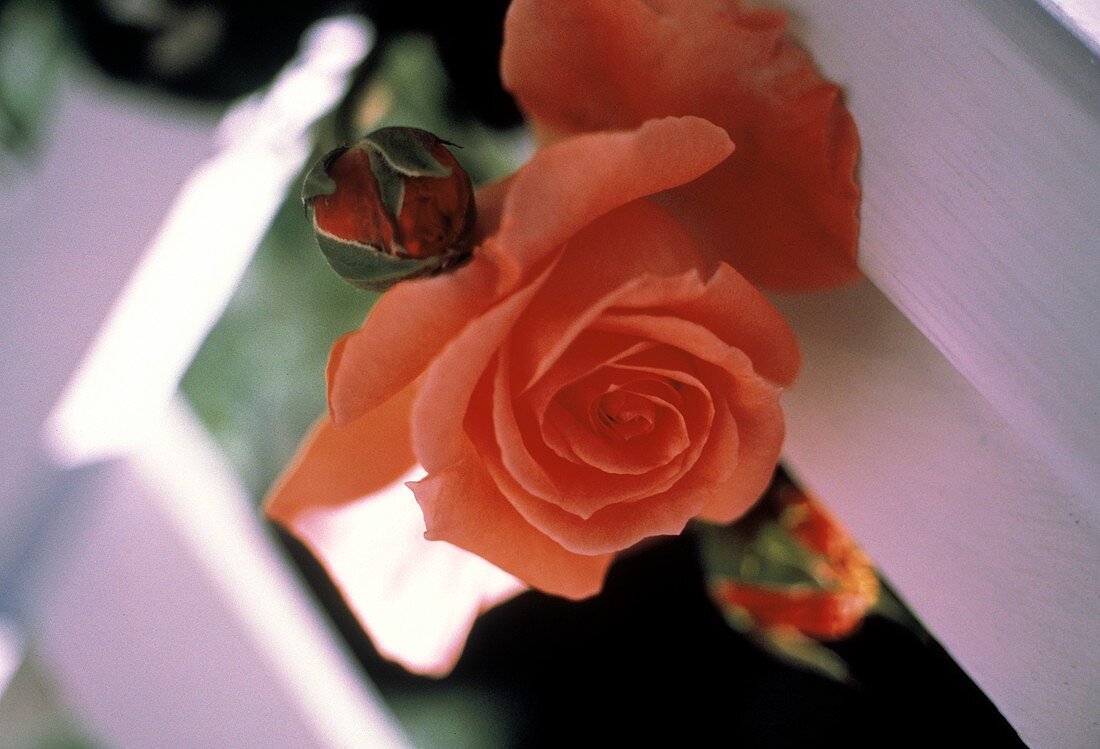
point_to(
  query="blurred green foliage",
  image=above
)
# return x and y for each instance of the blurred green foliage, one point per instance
(34, 715)
(32, 52)
(455, 717)
(413, 79)
(258, 380)
(757, 550)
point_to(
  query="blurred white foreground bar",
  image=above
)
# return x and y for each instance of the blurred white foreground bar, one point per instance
(172, 621)
(183, 282)
(128, 552)
(960, 437)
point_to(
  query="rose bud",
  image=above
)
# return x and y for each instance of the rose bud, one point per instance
(396, 205)
(792, 567)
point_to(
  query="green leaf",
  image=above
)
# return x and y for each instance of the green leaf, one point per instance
(33, 52)
(805, 653)
(368, 268)
(760, 552)
(889, 606)
(317, 181)
(256, 381)
(408, 150)
(391, 184)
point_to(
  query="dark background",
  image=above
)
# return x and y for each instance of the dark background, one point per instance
(651, 662)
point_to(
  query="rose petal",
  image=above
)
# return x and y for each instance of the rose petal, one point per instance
(736, 312)
(336, 465)
(416, 599)
(679, 333)
(548, 200)
(401, 335)
(755, 407)
(558, 192)
(574, 525)
(440, 410)
(726, 304)
(782, 210)
(461, 505)
(824, 615)
(751, 401)
(589, 351)
(547, 478)
(573, 437)
(637, 250)
(714, 462)
(616, 527)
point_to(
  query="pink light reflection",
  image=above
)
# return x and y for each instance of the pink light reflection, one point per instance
(416, 599)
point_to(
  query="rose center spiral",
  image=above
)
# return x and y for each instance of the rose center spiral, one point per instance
(622, 415)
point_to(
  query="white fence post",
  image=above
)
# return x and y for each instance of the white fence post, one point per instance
(142, 572)
(170, 619)
(959, 437)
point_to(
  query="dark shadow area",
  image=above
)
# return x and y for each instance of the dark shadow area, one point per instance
(650, 662)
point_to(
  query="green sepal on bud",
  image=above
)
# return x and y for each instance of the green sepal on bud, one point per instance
(396, 205)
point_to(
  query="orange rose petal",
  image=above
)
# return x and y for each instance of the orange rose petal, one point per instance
(619, 525)
(616, 527)
(590, 350)
(731, 308)
(728, 307)
(789, 225)
(538, 346)
(339, 464)
(462, 506)
(726, 304)
(581, 486)
(714, 462)
(583, 490)
(507, 436)
(826, 615)
(679, 333)
(755, 407)
(401, 335)
(637, 249)
(440, 410)
(753, 401)
(626, 419)
(547, 201)
(819, 531)
(783, 209)
(558, 192)
(577, 440)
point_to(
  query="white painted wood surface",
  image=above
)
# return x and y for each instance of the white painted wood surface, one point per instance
(969, 466)
(189, 270)
(973, 526)
(169, 619)
(72, 228)
(1082, 17)
(146, 581)
(980, 124)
